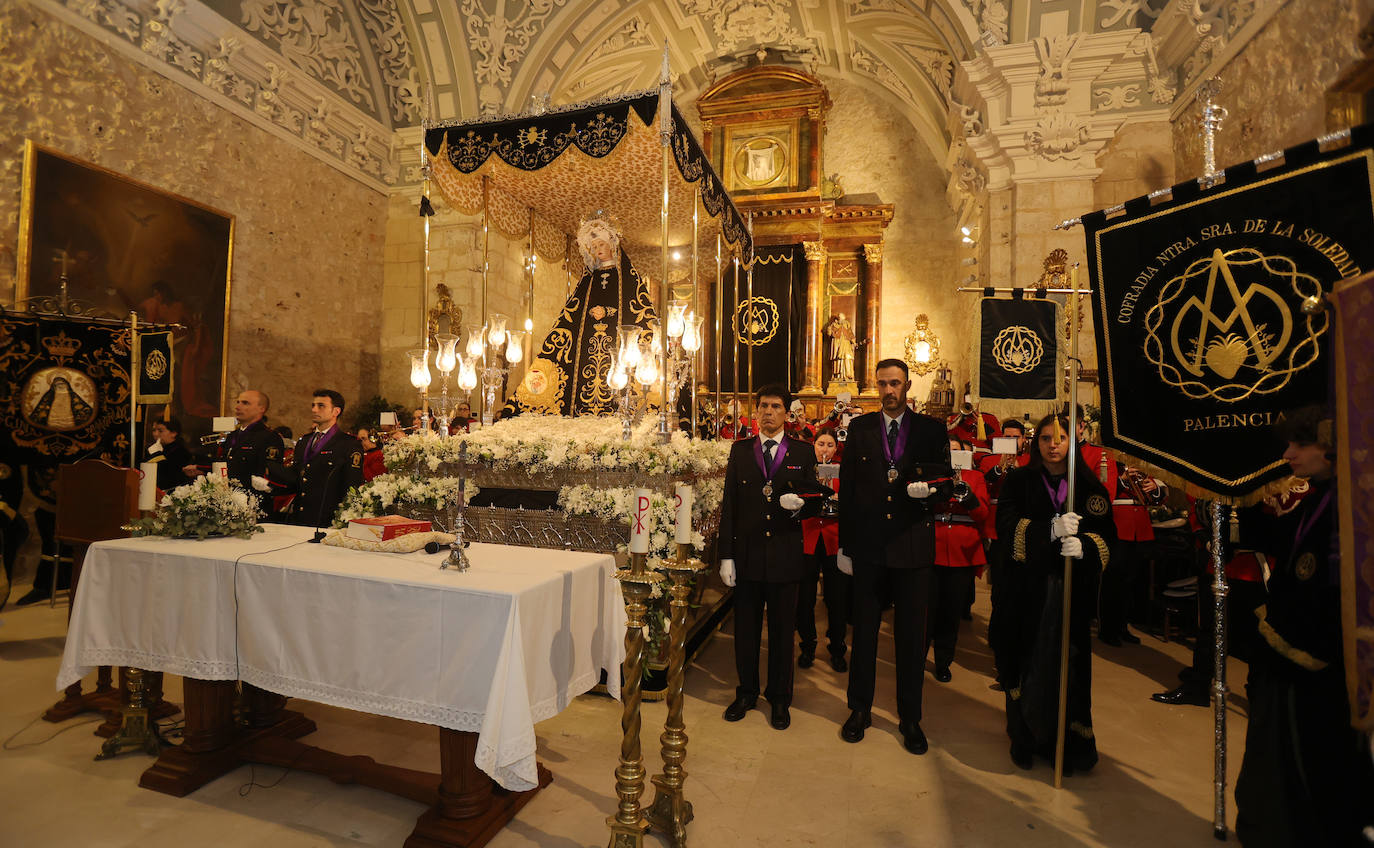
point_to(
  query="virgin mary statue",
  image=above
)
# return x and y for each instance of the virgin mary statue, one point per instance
(569, 374)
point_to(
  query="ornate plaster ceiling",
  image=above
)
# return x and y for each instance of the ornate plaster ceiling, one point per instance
(494, 56)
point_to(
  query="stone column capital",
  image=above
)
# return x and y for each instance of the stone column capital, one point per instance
(873, 253)
(815, 251)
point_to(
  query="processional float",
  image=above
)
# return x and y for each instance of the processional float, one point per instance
(632, 156)
(1210, 320)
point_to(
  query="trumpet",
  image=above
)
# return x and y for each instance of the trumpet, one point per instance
(841, 434)
(791, 418)
(213, 438)
(965, 408)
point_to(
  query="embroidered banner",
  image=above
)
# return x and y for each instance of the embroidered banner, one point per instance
(155, 378)
(64, 389)
(1018, 349)
(1202, 336)
(765, 322)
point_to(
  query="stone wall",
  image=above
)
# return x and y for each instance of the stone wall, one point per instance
(874, 149)
(1274, 89)
(307, 262)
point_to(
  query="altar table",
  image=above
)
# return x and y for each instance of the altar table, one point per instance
(483, 654)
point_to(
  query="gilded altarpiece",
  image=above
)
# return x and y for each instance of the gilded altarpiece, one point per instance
(764, 128)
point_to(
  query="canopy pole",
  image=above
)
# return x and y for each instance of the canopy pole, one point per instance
(734, 363)
(696, 307)
(720, 342)
(665, 135)
(426, 171)
(749, 309)
(486, 264)
(1068, 561)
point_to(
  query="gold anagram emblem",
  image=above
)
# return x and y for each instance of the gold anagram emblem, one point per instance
(756, 321)
(1224, 328)
(1306, 566)
(1017, 349)
(1098, 505)
(155, 365)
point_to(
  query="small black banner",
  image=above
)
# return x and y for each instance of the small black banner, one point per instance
(769, 323)
(1203, 340)
(1018, 349)
(155, 378)
(64, 389)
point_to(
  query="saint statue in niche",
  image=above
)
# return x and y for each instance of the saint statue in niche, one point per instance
(568, 376)
(841, 334)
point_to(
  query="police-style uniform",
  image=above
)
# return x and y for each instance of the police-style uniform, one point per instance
(891, 539)
(1002, 582)
(326, 465)
(765, 542)
(959, 557)
(13, 528)
(247, 451)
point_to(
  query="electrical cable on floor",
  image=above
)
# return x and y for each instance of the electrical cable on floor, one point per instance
(9, 747)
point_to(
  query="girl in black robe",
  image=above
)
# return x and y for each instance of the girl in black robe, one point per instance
(1039, 529)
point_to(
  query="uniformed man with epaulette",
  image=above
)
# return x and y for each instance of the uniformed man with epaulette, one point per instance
(327, 463)
(248, 450)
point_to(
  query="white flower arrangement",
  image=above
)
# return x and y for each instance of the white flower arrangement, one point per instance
(207, 506)
(617, 503)
(542, 443)
(388, 493)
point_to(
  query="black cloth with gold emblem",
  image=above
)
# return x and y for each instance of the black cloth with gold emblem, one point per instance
(64, 388)
(325, 467)
(1202, 339)
(248, 452)
(765, 322)
(1032, 625)
(765, 542)
(568, 376)
(1305, 779)
(1018, 349)
(891, 539)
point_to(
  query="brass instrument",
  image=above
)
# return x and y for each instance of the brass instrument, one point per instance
(841, 434)
(1135, 480)
(213, 438)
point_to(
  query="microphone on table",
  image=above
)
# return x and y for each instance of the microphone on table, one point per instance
(319, 518)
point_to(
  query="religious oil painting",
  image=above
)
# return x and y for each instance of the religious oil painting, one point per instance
(126, 246)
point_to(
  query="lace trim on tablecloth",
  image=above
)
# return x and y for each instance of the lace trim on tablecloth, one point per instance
(88, 659)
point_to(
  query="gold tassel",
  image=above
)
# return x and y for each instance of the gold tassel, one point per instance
(1235, 526)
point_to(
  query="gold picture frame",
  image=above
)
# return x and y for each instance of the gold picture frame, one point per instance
(126, 245)
(762, 157)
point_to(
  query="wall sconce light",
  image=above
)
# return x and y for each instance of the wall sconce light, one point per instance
(922, 347)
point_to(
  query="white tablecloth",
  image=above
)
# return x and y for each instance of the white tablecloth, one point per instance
(492, 650)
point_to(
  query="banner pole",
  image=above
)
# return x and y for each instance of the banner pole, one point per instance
(134, 372)
(720, 343)
(696, 309)
(737, 413)
(1219, 592)
(1068, 561)
(748, 312)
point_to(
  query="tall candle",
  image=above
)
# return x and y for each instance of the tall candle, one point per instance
(683, 531)
(147, 486)
(641, 522)
(219, 469)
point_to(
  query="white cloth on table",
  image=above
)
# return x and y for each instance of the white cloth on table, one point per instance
(491, 650)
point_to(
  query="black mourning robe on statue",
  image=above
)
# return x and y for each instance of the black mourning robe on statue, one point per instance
(1033, 624)
(568, 376)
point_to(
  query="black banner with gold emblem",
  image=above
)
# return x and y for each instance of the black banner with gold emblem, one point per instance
(1018, 349)
(155, 378)
(768, 323)
(64, 389)
(1203, 340)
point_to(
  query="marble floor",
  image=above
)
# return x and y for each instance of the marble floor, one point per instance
(751, 785)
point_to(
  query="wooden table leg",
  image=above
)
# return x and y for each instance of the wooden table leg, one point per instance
(205, 752)
(472, 808)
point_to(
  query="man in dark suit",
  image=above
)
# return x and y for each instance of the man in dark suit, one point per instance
(327, 463)
(248, 450)
(761, 553)
(887, 541)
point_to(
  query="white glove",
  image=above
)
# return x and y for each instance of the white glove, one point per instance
(1071, 546)
(791, 502)
(260, 483)
(844, 563)
(727, 572)
(1064, 525)
(155, 447)
(920, 490)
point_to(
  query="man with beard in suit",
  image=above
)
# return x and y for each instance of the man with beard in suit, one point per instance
(327, 463)
(887, 542)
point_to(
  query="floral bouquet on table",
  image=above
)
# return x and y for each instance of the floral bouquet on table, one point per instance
(209, 506)
(388, 493)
